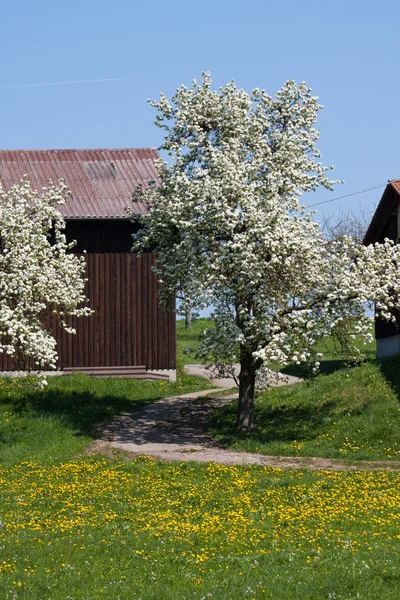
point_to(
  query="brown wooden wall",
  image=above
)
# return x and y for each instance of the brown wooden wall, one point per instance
(128, 327)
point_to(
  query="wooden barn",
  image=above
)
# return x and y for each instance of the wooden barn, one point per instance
(386, 224)
(129, 333)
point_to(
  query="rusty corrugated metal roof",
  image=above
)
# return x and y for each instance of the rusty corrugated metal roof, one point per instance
(396, 184)
(101, 181)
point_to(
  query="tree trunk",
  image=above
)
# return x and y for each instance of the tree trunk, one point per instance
(188, 319)
(247, 377)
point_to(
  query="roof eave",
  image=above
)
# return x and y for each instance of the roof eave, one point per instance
(389, 199)
(94, 218)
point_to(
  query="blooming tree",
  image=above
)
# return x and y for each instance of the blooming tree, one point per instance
(228, 230)
(38, 274)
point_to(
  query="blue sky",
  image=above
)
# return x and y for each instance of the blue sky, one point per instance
(346, 51)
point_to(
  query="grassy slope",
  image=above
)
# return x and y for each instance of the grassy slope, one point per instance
(350, 413)
(343, 413)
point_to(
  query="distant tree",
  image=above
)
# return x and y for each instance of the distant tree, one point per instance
(351, 223)
(38, 274)
(228, 229)
(188, 313)
(188, 319)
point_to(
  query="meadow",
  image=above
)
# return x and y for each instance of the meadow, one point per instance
(333, 354)
(94, 528)
(187, 340)
(78, 527)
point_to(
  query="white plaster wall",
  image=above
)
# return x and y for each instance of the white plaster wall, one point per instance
(388, 346)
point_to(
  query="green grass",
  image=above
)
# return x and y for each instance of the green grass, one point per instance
(93, 528)
(53, 425)
(351, 413)
(188, 340)
(87, 528)
(334, 356)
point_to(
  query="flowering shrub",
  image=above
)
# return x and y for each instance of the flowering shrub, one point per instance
(38, 274)
(229, 230)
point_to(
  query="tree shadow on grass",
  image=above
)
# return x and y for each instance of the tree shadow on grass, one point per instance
(82, 410)
(305, 412)
(305, 372)
(390, 369)
(285, 423)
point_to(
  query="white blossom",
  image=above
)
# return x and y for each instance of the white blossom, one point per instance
(39, 274)
(228, 230)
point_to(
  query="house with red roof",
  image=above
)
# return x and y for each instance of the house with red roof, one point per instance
(386, 224)
(129, 333)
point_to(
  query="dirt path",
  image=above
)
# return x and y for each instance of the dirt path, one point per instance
(173, 429)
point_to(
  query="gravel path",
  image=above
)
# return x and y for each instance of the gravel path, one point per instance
(229, 382)
(168, 426)
(173, 429)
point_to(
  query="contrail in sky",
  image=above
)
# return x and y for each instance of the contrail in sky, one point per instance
(32, 85)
